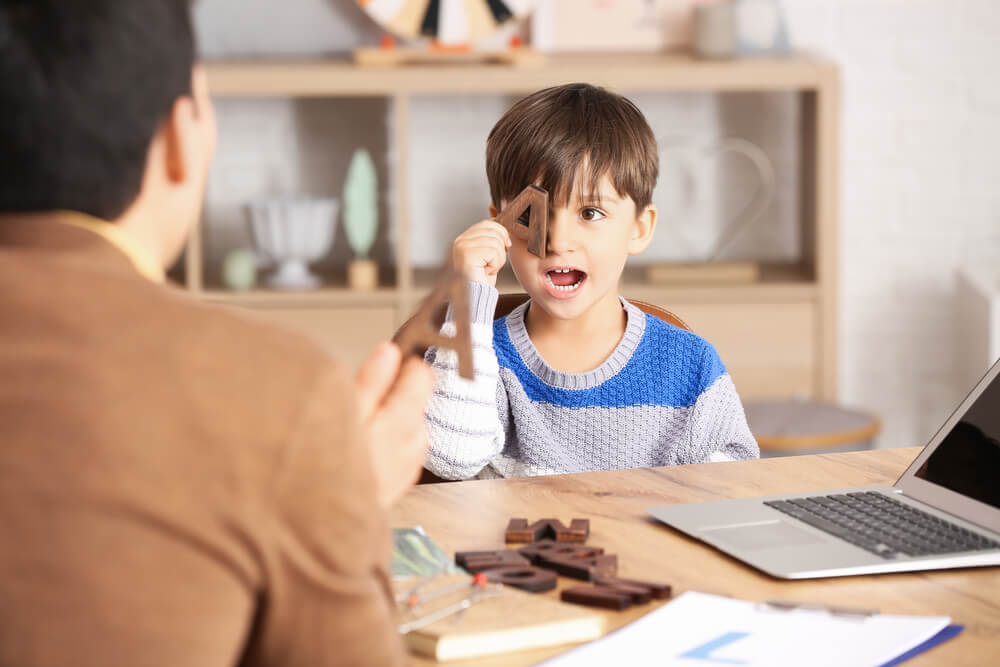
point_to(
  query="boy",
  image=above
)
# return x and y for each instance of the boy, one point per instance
(577, 378)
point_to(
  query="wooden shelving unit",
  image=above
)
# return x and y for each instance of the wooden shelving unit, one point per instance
(777, 336)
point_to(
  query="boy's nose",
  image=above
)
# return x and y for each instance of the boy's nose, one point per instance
(560, 235)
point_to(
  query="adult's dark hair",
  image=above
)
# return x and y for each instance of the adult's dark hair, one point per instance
(567, 138)
(84, 86)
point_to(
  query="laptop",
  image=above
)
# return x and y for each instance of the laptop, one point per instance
(943, 512)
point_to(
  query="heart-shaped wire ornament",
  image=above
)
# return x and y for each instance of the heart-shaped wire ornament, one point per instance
(688, 159)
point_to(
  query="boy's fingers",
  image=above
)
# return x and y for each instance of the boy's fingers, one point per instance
(491, 225)
(500, 235)
(502, 230)
(375, 378)
(480, 242)
(491, 246)
(481, 253)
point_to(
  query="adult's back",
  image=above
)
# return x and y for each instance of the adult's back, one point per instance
(176, 480)
(178, 485)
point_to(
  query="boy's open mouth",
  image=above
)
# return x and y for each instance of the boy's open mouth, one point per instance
(565, 279)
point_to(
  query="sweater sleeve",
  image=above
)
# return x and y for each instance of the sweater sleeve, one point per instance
(463, 419)
(717, 427)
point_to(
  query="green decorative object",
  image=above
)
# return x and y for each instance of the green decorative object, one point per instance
(361, 204)
(239, 270)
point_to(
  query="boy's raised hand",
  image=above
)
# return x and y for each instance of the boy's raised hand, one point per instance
(481, 251)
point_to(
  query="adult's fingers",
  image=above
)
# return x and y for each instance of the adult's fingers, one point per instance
(375, 378)
(407, 398)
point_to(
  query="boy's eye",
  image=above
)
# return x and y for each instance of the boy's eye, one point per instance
(591, 214)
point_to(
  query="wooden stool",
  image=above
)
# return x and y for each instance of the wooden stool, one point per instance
(785, 427)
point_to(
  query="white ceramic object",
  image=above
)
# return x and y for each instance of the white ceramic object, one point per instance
(291, 233)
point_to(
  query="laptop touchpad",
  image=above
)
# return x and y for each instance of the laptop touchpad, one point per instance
(763, 535)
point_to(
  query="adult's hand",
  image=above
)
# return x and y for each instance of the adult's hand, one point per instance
(393, 394)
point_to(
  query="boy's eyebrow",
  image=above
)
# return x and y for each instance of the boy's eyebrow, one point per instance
(597, 198)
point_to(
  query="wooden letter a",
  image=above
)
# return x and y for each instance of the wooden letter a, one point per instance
(420, 332)
(535, 229)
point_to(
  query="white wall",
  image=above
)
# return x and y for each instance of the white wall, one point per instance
(921, 154)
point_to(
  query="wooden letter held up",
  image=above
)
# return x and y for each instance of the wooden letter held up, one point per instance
(536, 232)
(420, 333)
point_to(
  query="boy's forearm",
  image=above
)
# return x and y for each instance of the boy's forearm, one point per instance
(462, 419)
(718, 428)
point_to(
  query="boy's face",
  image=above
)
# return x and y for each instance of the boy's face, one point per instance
(589, 240)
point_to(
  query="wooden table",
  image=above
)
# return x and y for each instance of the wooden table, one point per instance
(473, 515)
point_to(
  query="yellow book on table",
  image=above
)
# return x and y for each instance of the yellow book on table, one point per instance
(511, 621)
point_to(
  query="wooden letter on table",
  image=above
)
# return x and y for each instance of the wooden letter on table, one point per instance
(518, 530)
(477, 561)
(420, 333)
(592, 596)
(535, 232)
(531, 579)
(616, 593)
(549, 549)
(581, 566)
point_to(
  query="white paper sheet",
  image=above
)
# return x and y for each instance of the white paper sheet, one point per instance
(699, 629)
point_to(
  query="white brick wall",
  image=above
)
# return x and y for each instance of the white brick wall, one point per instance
(921, 150)
(921, 155)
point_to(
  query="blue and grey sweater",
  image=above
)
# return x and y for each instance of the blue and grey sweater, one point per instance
(663, 397)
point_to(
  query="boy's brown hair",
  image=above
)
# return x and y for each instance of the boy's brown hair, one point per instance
(560, 136)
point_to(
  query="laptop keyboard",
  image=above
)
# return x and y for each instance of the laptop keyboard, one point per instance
(882, 525)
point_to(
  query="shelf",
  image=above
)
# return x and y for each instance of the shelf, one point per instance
(342, 78)
(326, 297)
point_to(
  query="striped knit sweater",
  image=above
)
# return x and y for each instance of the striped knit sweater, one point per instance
(663, 397)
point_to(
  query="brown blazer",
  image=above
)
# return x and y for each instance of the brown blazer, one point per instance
(179, 485)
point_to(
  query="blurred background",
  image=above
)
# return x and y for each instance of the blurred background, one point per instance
(830, 214)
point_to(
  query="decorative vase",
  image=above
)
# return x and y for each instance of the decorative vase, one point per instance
(361, 219)
(290, 233)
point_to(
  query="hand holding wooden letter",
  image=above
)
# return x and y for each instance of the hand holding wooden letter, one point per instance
(423, 330)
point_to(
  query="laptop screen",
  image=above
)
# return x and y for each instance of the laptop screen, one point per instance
(968, 459)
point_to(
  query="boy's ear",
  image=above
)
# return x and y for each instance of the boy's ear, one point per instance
(493, 211)
(642, 230)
